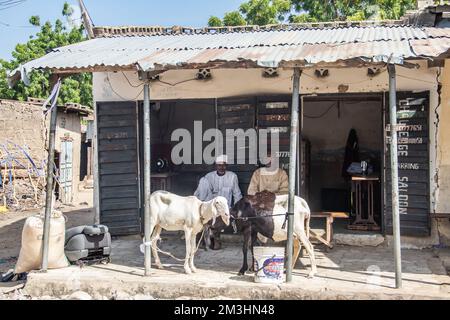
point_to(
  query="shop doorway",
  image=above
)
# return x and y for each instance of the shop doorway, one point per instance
(345, 164)
(66, 170)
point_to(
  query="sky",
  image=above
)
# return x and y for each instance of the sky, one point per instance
(14, 26)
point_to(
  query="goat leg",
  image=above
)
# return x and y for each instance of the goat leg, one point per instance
(188, 234)
(247, 237)
(253, 239)
(310, 249)
(206, 240)
(193, 251)
(154, 240)
(297, 249)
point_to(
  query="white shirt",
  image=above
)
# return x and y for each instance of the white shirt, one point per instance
(213, 185)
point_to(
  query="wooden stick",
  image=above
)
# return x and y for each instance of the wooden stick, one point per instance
(14, 184)
(33, 185)
(4, 187)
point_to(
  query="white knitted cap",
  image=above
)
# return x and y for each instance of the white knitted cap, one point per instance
(223, 159)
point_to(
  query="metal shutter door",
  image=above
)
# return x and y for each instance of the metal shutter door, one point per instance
(414, 169)
(118, 167)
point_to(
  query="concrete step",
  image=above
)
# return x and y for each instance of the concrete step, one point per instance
(359, 240)
(87, 183)
(444, 256)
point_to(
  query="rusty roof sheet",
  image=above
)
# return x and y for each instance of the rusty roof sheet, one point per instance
(258, 48)
(278, 56)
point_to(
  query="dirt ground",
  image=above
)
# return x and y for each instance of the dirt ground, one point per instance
(343, 273)
(11, 224)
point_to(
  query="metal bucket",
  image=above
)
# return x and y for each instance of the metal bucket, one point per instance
(269, 265)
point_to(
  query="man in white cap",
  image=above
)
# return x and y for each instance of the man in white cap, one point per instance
(219, 183)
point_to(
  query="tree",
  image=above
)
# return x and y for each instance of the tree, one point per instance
(5, 91)
(35, 21)
(77, 88)
(67, 10)
(394, 9)
(262, 12)
(337, 10)
(342, 10)
(254, 12)
(215, 22)
(234, 18)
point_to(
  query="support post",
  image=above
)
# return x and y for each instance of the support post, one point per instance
(50, 168)
(300, 150)
(394, 175)
(96, 171)
(292, 170)
(147, 176)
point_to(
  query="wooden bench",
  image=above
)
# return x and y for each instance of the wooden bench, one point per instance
(329, 216)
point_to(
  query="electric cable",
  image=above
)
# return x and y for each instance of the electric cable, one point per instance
(119, 95)
(323, 114)
(129, 82)
(8, 4)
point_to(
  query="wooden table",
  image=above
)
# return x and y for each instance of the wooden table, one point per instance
(363, 202)
(329, 216)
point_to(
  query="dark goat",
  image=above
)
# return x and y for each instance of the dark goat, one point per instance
(264, 214)
(211, 234)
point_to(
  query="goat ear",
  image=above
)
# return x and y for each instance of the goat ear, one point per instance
(214, 211)
(252, 201)
(214, 205)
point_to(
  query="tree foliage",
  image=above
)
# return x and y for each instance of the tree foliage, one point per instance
(35, 21)
(215, 22)
(342, 10)
(234, 18)
(77, 88)
(394, 9)
(333, 10)
(255, 12)
(263, 12)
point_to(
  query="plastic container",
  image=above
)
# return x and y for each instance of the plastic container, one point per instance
(269, 265)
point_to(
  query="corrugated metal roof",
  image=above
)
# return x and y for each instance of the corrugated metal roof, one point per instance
(263, 38)
(261, 48)
(274, 56)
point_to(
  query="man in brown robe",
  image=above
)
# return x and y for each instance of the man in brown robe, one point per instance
(270, 179)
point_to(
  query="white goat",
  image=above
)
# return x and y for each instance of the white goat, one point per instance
(174, 213)
(302, 216)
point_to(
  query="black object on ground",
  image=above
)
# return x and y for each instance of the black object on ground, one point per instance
(88, 244)
(10, 276)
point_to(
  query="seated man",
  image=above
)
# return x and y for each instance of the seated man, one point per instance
(274, 180)
(219, 183)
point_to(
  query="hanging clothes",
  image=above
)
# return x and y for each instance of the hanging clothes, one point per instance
(351, 153)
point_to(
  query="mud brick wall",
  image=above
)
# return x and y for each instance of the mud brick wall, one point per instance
(22, 123)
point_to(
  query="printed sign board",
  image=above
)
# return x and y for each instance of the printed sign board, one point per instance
(414, 169)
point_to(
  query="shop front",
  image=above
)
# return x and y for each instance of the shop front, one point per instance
(341, 129)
